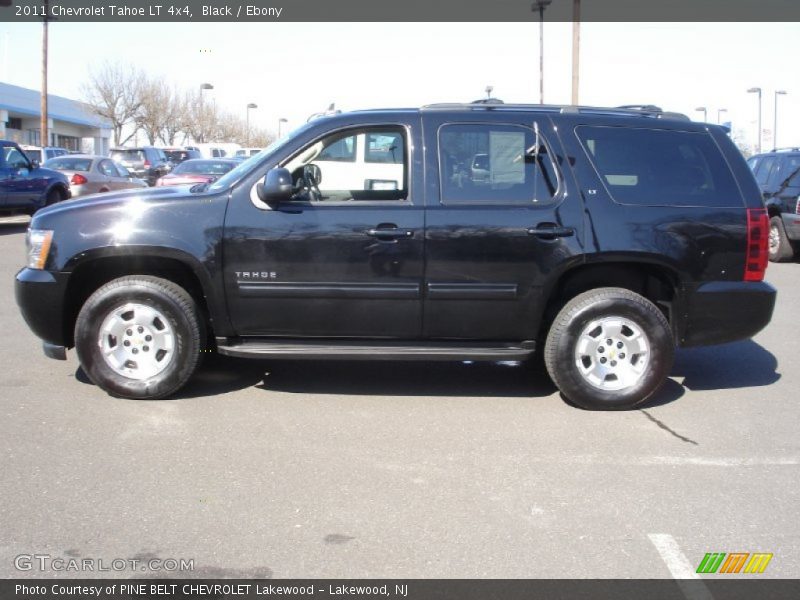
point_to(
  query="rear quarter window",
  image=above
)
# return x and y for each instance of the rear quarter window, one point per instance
(660, 167)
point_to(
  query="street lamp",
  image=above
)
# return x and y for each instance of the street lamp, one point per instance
(703, 110)
(757, 90)
(719, 112)
(775, 127)
(540, 5)
(247, 133)
(203, 86)
(280, 122)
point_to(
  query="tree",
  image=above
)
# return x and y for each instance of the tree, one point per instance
(175, 118)
(114, 93)
(154, 108)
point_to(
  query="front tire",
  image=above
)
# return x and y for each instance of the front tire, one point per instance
(139, 337)
(780, 248)
(609, 349)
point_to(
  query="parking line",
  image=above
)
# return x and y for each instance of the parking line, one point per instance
(679, 566)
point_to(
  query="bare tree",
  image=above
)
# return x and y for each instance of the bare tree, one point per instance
(155, 102)
(114, 92)
(175, 118)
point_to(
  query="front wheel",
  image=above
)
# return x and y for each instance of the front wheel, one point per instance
(609, 349)
(139, 337)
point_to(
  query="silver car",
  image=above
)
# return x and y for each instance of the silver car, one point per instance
(90, 174)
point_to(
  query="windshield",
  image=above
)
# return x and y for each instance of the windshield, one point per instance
(204, 167)
(236, 174)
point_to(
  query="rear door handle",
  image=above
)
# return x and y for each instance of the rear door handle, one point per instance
(551, 232)
(390, 234)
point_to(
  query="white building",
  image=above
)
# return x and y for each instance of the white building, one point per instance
(70, 123)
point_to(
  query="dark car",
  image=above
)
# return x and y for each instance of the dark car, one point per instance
(778, 176)
(178, 155)
(24, 185)
(602, 238)
(145, 162)
(198, 170)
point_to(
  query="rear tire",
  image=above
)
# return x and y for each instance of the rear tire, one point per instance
(609, 349)
(53, 196)
(780, 247)
(139, 337)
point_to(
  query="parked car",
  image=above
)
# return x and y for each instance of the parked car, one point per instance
(247, 152)
(177, 155)
(603, 238)
(778, 176)
(198, 170)
(24, 185)
(145, 162)
(90, 174)
(41, 155)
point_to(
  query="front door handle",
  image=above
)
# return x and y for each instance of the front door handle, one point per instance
(390, 234)
(551, 232)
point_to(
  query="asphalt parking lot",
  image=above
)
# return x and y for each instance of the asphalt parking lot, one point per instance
(324, 469)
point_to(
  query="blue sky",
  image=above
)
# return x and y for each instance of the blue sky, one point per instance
(292, 70)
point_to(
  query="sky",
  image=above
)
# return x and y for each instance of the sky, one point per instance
(292, 70)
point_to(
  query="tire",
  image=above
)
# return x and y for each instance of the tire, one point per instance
(53, 196)
(579, 360)
(107, 332)
(780, 248)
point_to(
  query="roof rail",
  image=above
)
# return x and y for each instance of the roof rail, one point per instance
(641, 110)
(786, 149)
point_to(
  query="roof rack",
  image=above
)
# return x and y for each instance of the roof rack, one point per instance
(786, 149)
(495, 104)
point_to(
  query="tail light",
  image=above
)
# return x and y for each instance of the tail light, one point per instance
(146, 164)
(78, 179)
(757, 244)
(797, 206)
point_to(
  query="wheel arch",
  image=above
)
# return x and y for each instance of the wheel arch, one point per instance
(91, 270)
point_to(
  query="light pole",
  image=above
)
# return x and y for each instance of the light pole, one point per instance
(576, 45)
(719, 112)
(44, 136)
(280, 122)
(203, 86)
(757, 90)
(247, 135)
(540, 5)
(703, 110)
(775, 126)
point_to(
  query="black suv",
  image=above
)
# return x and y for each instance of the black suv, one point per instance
(600, 237)
(778, 176)
(145, 162)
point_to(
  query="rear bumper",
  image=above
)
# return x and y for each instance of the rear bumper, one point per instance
(791, 224)
(41, 296)
(724, 311)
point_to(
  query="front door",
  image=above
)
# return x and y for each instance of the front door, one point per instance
(502, 218)
(346, 261)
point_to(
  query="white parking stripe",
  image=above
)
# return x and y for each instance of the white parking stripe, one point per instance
(679, 566)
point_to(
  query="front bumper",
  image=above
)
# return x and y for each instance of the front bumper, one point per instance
(41, 297)
(719, 312)
(791, 224)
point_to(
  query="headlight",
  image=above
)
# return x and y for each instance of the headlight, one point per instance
(38, 241)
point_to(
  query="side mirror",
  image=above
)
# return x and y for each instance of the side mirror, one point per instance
(276, 188)
(34, 164)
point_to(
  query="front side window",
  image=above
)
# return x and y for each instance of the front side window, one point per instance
(106, 167)
(659, 167)
(15, 159)
(494, 164)
(369, 164)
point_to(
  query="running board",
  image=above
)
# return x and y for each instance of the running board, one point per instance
(377, 350)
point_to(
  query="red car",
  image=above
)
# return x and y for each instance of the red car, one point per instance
(198, 170)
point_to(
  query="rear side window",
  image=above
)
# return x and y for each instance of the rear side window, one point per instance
(657, 167)
(494, 164)
(763, 168)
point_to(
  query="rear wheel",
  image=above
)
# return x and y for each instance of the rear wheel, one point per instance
(780, 248)
(53, 196)
(609, 349)
(139, 337)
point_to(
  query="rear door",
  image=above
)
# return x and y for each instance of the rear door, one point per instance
(496, 234)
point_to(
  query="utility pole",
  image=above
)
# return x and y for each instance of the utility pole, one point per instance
(44, 139)
(576, 49)
(540, 5)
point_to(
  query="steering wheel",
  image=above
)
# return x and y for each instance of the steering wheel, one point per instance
(310, 179)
